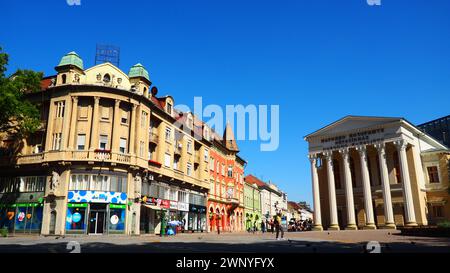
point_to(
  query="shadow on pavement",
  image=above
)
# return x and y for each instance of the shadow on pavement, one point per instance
(286, 246)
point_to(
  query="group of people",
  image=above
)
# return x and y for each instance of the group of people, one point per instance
(274, 225)
(300, 225)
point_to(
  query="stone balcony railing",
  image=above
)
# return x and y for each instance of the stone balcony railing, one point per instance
(96, 155)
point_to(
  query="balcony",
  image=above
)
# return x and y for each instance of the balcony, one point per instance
(91, 156)
(30, 159)
(153, 137)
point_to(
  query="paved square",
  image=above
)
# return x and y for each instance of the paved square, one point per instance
(301, 242)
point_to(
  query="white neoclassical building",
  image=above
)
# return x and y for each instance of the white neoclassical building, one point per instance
(369, 172)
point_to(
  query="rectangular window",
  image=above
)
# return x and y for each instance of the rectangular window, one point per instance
(167, 160)
(211, 164)
(189, 146)
(206, 155)
(230, 171)
(103, 143)
(123, 145)
(100, 183)
(124, 118)
(60, 105)
(168, 134)
(189, 169)
(183, 197)
(173, 195)
(433, 174)
(169, 108)
(437, 211)
(117, 184)
(175, 163)
(56, 141)
(163, 192)
(153, 191)
(81, 142)
(149, 151)
(144, 119)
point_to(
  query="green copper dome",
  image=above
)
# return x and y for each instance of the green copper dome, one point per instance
(138, 70)
(71, 58)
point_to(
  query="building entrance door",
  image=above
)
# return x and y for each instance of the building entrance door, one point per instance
(97, 219)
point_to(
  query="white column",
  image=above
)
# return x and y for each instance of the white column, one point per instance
(370, 223)
(316, 193)
(407, 192)
(332, 192)
(386, 187)
(351, 222)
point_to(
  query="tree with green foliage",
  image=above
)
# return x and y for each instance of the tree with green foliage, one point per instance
(18, 116)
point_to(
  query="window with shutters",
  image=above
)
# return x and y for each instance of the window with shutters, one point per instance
(123, 145)
(81, 142)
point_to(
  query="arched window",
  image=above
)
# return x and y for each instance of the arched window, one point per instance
(107, 78)
(64, 78)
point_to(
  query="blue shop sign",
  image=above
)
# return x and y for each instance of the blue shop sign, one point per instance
(97, 197)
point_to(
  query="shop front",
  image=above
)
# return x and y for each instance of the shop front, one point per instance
(96, 212)
(21, 217)
(21, 203)
(154, 213)
(197, 218)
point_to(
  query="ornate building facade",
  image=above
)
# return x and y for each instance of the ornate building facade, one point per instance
(226, 195)
(111, 157)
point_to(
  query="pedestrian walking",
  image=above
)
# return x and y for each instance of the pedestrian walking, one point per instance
(263, 227)
(279, 227)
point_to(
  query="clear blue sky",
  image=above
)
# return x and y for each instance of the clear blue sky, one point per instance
(319, 60)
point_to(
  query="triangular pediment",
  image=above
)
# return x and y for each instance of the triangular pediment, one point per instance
(350, 123)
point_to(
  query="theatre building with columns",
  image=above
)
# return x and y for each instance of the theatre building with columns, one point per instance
(377, 172)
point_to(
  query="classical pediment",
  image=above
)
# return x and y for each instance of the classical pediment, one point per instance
(116, 77)
(352, 123)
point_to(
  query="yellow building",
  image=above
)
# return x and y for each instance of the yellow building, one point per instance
(377, 172)
(111, 158)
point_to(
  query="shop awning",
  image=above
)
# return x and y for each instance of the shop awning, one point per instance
(152, 207)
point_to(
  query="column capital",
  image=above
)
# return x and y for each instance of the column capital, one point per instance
(380, 146)
(328, 154)
(96, 99)
(312, 157)
(401, 144)
(133, 105)
(75, 99)
(344, 152)
(117, 102)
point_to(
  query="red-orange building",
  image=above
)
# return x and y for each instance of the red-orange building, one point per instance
(226, 194)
